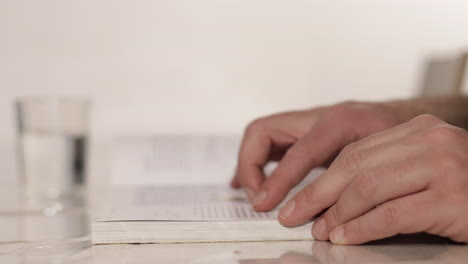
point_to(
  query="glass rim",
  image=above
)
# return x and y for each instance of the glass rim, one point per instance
(52, 98)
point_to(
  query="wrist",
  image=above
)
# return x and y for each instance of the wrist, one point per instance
(452, 109)
(404, 110)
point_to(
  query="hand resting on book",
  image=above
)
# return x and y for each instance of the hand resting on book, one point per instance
(301, 141)
(407, 178)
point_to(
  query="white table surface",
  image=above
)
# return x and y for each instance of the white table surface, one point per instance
(64, 238)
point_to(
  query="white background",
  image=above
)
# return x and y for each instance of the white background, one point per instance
(212, 65)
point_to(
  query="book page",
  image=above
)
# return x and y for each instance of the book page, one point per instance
(151, 169)
(186, 203)
(174, 159)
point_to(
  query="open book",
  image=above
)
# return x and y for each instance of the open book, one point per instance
(146, 208)
(178, 214)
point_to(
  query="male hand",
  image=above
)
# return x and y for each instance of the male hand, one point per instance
(407, 179)
(301, 141)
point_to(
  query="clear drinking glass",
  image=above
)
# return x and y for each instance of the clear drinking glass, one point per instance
(53, 135)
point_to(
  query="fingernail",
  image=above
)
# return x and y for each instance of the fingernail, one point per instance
(337, 235)
(250, 193)
(319, 228)
(287, 209)
(259, 198)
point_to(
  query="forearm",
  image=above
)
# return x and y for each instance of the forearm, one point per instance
(451, 109)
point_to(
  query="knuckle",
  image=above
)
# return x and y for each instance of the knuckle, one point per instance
(348, 149)
(299, 151)
(340, 111)
(388, 214)
(365, 185)
(308, 194)
(426, 120)
(255, 126)
(351, 158)
(332, 217)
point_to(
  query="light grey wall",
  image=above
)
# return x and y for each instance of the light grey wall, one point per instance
(213, 65)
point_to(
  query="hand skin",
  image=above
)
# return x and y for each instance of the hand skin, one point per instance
(407, 179)
(303, 140)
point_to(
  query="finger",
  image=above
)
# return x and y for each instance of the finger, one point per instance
(255, 152)
(301, 158)
(371, 187)
(408, 214)
(252, 157)
(264, 140)
(311, 151)
(325, 191)
(371, 168)
(328, 187)
(321, 143)
(413, 127)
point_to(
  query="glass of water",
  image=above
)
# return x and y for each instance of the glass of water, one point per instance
(53, 135)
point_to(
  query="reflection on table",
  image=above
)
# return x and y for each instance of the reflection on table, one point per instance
(64, 238)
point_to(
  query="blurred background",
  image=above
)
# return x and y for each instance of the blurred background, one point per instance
(211, 66)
